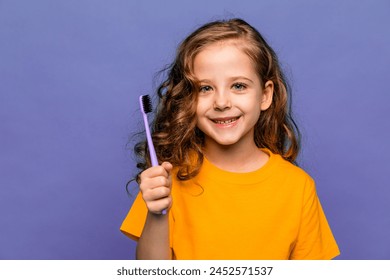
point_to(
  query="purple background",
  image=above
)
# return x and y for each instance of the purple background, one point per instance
(70, 74)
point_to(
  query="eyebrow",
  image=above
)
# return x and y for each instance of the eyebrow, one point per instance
(241, 78)
(204, 81)
(231, 79)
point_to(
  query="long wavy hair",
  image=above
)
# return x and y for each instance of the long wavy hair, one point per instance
(175, 134)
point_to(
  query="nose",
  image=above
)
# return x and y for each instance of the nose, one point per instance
(222, 101)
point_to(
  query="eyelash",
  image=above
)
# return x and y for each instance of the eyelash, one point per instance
(204, 88)
(241, 85)
(236, 86)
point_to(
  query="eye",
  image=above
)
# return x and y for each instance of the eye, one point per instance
(239, 86)
(205, 89)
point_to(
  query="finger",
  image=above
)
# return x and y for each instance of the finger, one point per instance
(156, 194)
(154, 172)
(156, 182)
(158, 206)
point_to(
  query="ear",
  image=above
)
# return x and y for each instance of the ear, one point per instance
(266, 97)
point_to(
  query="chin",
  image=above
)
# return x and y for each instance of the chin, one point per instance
(226, 142)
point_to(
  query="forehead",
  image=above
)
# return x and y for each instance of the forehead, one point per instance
(225, 56)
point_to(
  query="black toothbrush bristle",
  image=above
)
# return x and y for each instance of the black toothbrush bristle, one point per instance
(146, 104)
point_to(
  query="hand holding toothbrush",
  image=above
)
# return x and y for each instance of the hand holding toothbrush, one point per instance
(156, 181)
(156, 186)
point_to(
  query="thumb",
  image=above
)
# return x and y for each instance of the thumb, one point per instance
(167, 166)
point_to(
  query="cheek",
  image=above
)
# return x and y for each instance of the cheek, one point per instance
(200, 108)
(252, 110)
(198, 114)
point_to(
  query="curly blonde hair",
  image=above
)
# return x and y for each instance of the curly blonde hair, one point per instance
(175, 134)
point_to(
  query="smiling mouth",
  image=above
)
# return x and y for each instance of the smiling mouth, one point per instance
(225, 120)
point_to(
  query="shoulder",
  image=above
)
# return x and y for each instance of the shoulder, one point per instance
(285, 165)
(288, 171)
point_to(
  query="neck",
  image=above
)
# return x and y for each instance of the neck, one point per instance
(235, 158)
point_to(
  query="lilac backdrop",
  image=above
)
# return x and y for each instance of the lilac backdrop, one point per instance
(70, 74)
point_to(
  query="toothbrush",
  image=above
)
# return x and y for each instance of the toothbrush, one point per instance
(146, 107)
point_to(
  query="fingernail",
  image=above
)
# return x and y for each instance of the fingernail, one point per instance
(164, 212)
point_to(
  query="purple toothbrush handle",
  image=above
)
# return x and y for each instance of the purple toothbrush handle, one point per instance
(152, 152)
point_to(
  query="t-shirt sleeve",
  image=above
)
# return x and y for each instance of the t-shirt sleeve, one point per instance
(133, 224)
(315, 240)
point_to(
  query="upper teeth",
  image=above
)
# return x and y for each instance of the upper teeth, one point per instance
(225, 122)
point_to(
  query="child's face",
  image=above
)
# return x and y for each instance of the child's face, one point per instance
(230, 96)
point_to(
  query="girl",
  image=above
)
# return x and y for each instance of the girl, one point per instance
(226, 142)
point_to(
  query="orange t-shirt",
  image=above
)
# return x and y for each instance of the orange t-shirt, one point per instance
(272, 213)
